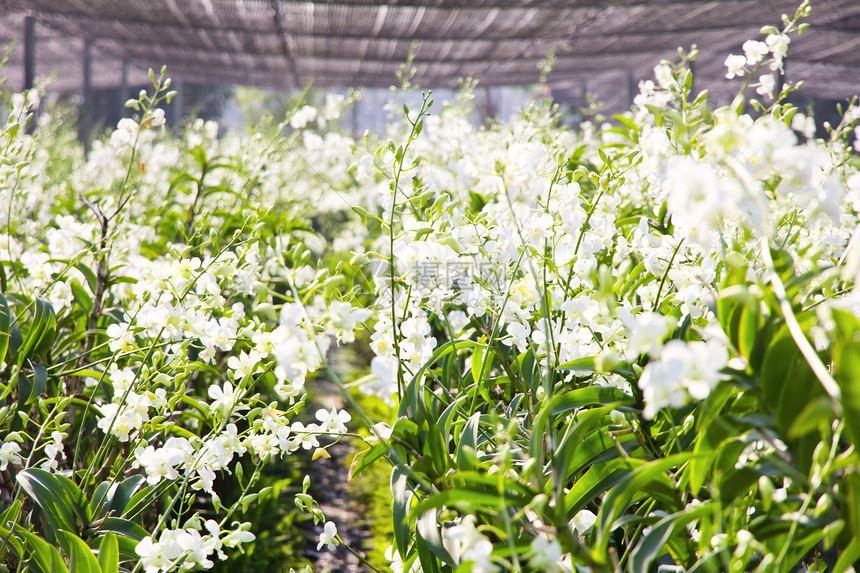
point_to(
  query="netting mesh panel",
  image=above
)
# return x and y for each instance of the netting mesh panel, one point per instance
(604, 45)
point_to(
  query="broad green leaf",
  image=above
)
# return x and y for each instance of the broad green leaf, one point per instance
(446, 419)
(52, 497)
(468, 439)
(598, 447)
(578, 430)
(851, 482)
(81, 558)
(436, 448)
(45, 555)
(14, 543)
(749, 328)
(498, 482)
(736, 483)
(407, 432)
(5, 327)
(425, 556)
(90, 276)
(82, 297)
(40, 335)
(561, 404)
(427, 527)
(468, 498)
(125, 529)
(32, 385)
(651, 546)
(817, 412)
(476, 363)
(598, 479)
(787, 381)
(580, 364)
(364, 458)
(850, 555)
(650, 478)
(109, 553)
(846, 372)
(707, 443)
(400, 510)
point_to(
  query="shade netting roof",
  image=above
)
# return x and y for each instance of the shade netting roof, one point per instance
(602, 46)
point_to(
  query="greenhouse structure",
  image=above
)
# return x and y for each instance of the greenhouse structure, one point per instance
(442, 286)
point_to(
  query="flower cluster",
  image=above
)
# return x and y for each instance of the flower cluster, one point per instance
(167, 339)
(188, 548)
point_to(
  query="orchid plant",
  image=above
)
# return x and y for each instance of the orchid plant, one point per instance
(606, 348)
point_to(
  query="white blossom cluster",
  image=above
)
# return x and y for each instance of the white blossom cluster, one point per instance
(188, 549)
(192, 322)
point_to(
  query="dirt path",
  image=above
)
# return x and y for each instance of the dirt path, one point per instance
(332, 492)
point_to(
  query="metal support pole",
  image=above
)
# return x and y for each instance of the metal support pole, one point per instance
(176, 104)
(583, 92)
(86, 115)
(123, 89)
(29, 52)
(631, 88)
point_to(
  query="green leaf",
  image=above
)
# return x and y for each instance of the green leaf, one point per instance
(819, 411)
(787, 380)
(851, 483)
(400, 509)
(45, 555)
(120, 497)
(109, 554)
(707, 443)
(598, 479)
(468, 497)
(465, 459)
(41, 333)
(585, 364)
(31, 387)
(427, 527)
(82, 296)
(735, 484)
(477, 363)
(846, 370)
(365, 458)
(89, 275)
(749, 327)
(850, 555)
(80, 555)
(52, 497)
(5, 327)
(437, 448)
(124, 528)
(425, 556)
(597, 448)
(14, 542)
(652, 544)
(563, 403)
(406, 432)
(650, 478)
(446, 419)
